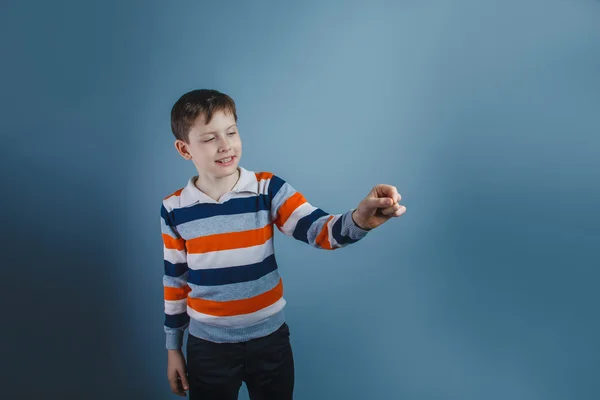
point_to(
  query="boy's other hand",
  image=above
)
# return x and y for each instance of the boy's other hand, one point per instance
(379, 206)
(176, 372)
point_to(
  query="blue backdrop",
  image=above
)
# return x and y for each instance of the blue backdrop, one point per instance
(484, 114)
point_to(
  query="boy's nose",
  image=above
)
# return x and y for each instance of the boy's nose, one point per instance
(225, 146)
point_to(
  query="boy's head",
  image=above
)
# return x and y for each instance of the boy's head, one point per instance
(204, 124)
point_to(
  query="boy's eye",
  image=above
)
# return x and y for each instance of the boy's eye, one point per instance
(213, 138)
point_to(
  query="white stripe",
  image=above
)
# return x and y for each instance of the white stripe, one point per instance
(231, 258)
(174, 256)
(173, 307)
(171, 203)
(263, 186)
(332, 240)
(238, 321)
(242, 195)
(300, 212)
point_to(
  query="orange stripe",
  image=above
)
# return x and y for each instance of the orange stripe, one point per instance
(237, 307)
(172, 243)
(176, 193)
(173, 293)
(287, 208)
(229, 241)
(263, 175)
(323, 238)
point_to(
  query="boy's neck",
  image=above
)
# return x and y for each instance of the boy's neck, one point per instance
(215, 188)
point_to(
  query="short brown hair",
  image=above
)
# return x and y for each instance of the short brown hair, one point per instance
(195, 103)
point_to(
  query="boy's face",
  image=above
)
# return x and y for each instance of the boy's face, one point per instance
(216, 148)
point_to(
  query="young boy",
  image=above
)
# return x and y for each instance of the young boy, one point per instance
(221, 279)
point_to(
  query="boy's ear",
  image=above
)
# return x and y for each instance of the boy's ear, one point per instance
(182, 149)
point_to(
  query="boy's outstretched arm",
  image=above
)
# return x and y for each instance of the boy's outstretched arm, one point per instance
(295, 216)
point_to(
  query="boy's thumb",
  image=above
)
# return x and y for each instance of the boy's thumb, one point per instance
(184, 381)
(373, 203)
(382, 202)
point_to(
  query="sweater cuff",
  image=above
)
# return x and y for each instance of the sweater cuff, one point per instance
(355, 232)
(174, 341)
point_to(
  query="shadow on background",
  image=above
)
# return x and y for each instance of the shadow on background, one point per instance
(69, 100)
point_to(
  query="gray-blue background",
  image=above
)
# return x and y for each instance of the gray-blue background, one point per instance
(485, 115)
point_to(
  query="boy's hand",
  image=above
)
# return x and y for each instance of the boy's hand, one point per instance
(380, 205)
(176, 372)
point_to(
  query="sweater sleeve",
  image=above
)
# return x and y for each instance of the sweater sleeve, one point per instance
(294, 216)
(174, 282)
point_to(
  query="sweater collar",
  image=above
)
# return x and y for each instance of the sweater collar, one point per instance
(190, 194)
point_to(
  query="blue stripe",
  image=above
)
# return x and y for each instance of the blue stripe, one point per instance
(225, 276)
(336, 232)
(301, 230)
(236, 291)
(177, 320)
(275, 184)
(164, 214)
(175, 270)
(206, 210)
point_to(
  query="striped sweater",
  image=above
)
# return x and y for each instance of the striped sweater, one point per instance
(221, 279)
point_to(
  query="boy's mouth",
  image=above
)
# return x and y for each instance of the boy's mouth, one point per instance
(226, 161)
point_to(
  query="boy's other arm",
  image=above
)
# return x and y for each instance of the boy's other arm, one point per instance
(296, 217)
(174, 283)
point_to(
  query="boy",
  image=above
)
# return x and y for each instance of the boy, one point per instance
(221, 280)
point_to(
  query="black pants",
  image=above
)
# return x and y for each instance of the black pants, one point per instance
(217, 370)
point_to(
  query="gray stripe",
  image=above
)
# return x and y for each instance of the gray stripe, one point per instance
(284, 193)
(224, 224)
(164, 228)
(236, 291)
(235, 335)
(171, 281)
(315, 229)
